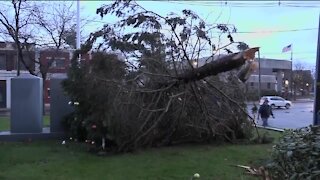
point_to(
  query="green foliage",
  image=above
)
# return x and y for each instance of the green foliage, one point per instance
(5, 122)
(264, 138)
(146, 31)
(70, 36)
(51, 160)
(297, 155)
(87, 85)
(242, 46)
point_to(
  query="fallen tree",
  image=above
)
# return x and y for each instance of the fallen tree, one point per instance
(157, 95)
(223, 64)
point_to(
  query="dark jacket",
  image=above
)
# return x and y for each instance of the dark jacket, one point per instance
(265, 111)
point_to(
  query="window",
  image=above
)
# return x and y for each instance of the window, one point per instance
(26, 59)
(277, 99)
(59, 62)
(48, 91)
(269, 85)
(3, 62)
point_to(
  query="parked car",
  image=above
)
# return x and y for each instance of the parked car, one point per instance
(276, 101)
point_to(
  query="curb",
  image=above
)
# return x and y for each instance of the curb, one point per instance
(304, 101)
(270, 128)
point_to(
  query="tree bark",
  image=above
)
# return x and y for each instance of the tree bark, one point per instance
(223, 64)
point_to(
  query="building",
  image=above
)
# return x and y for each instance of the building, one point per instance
(8, 68)
(55, 62)
(274, 75)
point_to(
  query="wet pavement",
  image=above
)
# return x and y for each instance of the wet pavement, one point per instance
(298, 116)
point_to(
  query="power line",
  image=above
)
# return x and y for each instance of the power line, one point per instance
(273, 31)
(248, 32)
(249, 4)
(238, 32)
(288, 30)
(307, 52)
(217, 4)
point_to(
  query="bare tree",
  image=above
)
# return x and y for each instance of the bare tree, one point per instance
(16, 25)
(47, 25)
(44, 24)
(55, 22)
(302, 79)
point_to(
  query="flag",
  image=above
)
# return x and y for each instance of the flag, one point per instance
(287, 48)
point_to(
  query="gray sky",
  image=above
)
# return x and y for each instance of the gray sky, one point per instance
(265, 24)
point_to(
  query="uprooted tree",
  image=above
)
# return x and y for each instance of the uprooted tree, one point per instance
(161, 90)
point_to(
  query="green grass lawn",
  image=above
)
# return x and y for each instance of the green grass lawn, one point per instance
(52, 160)
(5, 123)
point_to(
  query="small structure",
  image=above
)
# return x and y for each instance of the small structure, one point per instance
(27, 111)
(26, 104)
(59, 105)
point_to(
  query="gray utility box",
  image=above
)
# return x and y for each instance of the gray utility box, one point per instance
(59, 106)
(26, 104)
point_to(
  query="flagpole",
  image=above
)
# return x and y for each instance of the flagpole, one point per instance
(291, 74)
(78, 29)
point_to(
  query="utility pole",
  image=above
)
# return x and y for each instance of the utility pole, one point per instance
(316, 111)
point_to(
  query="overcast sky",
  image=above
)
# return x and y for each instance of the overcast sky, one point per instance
(265, 24)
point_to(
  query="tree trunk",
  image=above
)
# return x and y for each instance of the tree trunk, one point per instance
(220, 65)
(44, 77)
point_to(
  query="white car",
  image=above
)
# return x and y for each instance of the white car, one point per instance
(276, 101)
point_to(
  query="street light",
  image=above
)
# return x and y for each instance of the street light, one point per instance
(194, 63)
(286, 82)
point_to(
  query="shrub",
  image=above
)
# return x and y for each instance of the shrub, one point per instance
(297, 155)
(89, 86)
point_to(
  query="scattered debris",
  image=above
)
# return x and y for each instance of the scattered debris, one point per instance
(260, 172)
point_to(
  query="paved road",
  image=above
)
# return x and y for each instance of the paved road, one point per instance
(299, 115)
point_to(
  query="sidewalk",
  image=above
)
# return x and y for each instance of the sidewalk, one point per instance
(302, 100)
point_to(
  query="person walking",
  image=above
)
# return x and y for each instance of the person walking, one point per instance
(265, 111)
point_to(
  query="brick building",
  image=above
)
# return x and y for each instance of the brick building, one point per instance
(8, 68)
(57, 63)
